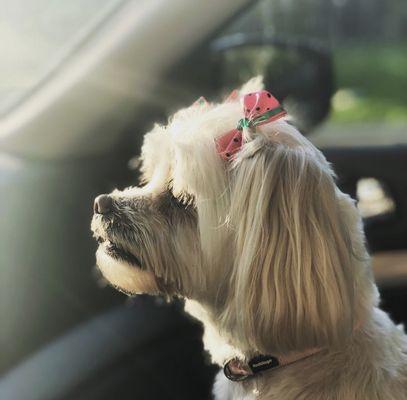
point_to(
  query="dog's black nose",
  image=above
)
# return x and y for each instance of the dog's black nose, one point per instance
(103, 204)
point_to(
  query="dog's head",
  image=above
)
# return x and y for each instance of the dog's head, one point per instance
(266, 241)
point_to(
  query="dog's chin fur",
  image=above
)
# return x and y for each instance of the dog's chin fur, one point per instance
(125, 277)
(268, 252)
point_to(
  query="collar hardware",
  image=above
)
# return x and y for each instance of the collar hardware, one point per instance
(236, 370)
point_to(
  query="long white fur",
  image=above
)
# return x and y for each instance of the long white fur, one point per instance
(278, 262)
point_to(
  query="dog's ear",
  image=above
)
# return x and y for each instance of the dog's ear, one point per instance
(292, 278)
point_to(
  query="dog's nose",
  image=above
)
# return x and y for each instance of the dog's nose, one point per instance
(103, 204)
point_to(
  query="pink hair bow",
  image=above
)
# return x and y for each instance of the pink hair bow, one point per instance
(259, 108)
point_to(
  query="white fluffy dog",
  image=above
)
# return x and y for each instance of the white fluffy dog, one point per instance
(268, 253)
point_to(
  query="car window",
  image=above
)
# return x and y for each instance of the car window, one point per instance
(366, 40)
(36, 35)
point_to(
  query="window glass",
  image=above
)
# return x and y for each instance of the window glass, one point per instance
(367, 40)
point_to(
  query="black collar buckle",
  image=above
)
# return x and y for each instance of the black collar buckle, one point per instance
(237, 370)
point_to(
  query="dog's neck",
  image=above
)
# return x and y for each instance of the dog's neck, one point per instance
(224, 353)
(241, 364)
(217, 345)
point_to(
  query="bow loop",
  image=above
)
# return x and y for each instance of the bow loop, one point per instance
(259, 108)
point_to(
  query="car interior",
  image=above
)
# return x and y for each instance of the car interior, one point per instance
(74, 127)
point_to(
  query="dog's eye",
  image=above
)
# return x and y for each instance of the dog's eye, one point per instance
(170, 205)
(183, 200)
(180, 201)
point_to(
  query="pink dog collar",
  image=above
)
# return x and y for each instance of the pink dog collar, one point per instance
(259, 108)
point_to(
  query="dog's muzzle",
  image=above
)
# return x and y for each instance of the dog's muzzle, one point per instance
(104, 208)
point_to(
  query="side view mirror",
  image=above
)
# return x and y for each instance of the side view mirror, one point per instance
(299, 73)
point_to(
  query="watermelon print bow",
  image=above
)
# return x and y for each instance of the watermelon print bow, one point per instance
(259, 108)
